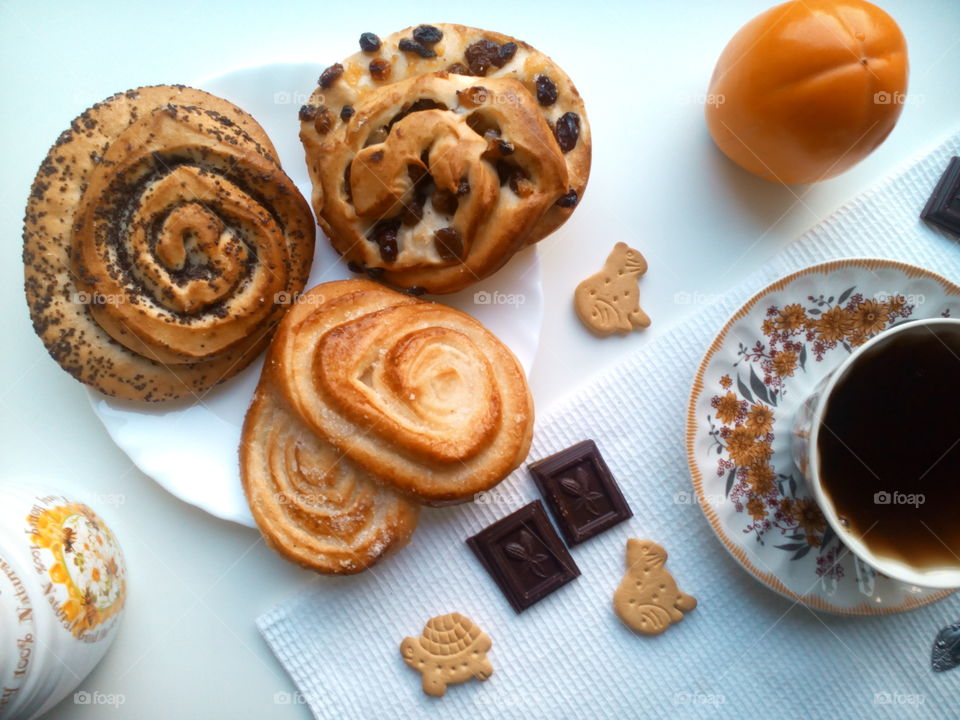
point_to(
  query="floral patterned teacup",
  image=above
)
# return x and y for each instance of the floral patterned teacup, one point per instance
(804, 447)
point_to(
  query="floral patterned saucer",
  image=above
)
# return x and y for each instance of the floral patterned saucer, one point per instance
(756, 374)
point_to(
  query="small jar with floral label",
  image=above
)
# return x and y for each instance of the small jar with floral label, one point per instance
(62, 590)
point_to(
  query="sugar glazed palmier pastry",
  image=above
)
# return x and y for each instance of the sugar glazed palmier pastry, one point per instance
(160, 240)
(312, 505)
(438, 152)
(417, 394)
(370, 402)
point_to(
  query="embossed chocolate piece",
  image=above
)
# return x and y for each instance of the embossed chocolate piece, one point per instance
(580, 491)
(943, 207)
(524, 555)
(946, 649)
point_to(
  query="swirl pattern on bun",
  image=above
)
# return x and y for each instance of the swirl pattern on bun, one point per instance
(420, 395)
(313, 506)
(159, 235)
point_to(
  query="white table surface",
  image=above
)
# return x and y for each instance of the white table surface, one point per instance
(188, 647)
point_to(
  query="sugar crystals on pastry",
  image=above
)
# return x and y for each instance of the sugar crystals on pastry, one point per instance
(312, 505)
(420, 395)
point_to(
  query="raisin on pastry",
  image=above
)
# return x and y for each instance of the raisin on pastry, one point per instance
(462, 146)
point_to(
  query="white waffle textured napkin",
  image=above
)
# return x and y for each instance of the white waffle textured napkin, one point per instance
(744, 652)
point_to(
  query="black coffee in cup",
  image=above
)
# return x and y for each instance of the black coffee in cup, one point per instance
(889, 447)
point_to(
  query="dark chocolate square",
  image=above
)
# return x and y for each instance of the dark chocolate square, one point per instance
(580, 491)
(943, 207)
(524, 555)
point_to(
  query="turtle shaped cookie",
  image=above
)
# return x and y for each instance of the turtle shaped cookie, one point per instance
(450, 650)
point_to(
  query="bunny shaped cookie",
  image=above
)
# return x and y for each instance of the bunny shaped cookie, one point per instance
(648, 599)
(609, 301)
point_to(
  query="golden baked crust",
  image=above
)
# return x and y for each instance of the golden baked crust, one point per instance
(161, 242)
(486, 142)
(420, 395)
(313, 506)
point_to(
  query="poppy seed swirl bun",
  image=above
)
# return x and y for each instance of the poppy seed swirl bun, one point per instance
(159, 234)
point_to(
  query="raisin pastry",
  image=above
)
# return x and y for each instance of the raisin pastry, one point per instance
(417, 394)
(313, 506)
(161, 242)
(440, 151)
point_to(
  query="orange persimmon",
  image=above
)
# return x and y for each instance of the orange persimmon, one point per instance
(808, 89)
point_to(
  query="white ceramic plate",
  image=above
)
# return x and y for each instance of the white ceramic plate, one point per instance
(763, 364)
(191, 448)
